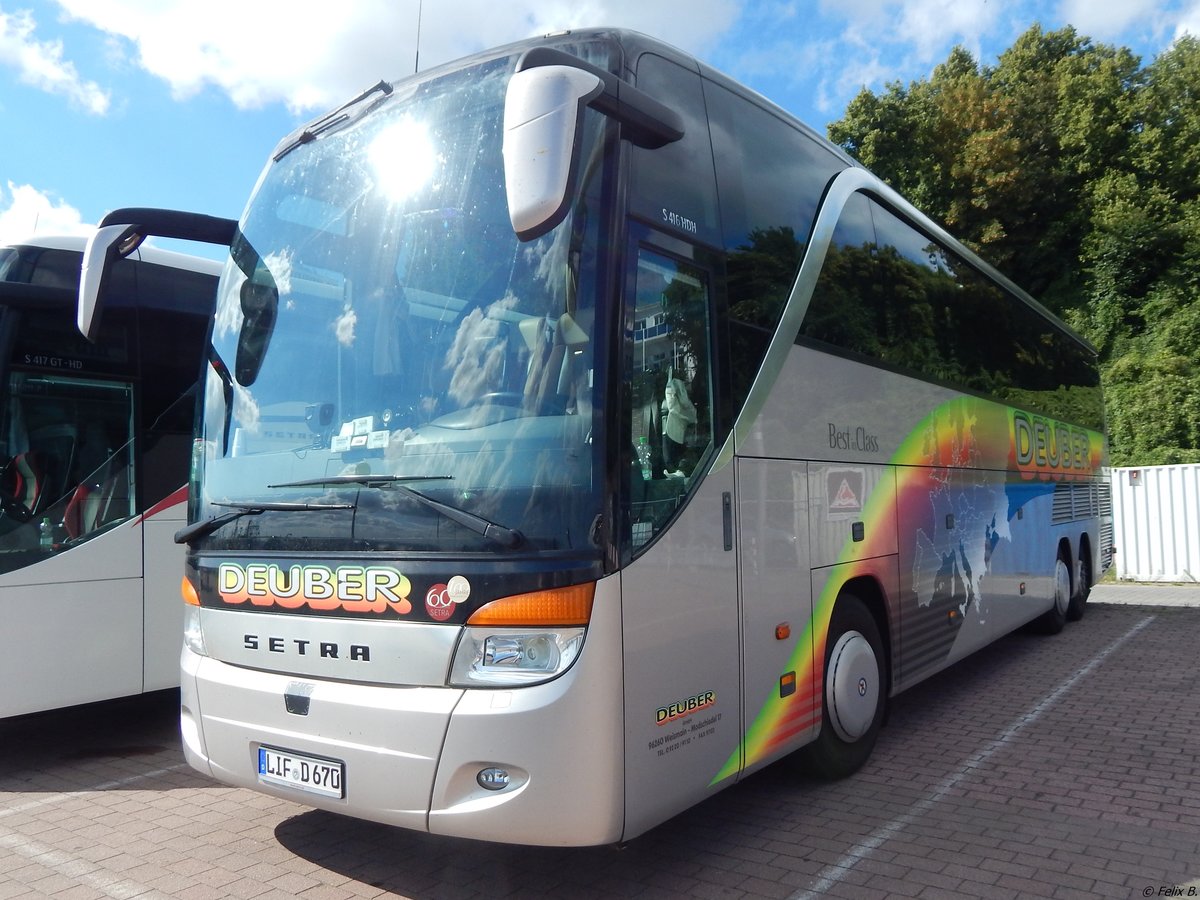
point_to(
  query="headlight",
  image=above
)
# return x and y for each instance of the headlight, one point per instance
(492, 657)
(193, 636)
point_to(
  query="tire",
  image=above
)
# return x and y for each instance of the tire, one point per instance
(1053, 619)
(1083, 588)
(854, 692)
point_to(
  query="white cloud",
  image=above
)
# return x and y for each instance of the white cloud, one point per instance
(836, 89)
(1112, 22)
(924, 29)
(820, 55)
(1146, 25)
(26, 211)
(41, 64)
(932, 26)
(311, 54)
(1189, 22)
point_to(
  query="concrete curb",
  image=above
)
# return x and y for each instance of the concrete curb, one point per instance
(1145, 594)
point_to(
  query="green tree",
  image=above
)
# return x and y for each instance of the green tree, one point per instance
(1076, 171)
(1168, 139)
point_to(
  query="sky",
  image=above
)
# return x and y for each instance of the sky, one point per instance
(178, 103)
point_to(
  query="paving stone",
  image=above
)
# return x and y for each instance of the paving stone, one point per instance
(980, 786)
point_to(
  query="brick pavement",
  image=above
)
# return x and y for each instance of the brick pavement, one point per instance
(1052, 767)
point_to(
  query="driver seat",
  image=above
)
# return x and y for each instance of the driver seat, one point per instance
(23, 479)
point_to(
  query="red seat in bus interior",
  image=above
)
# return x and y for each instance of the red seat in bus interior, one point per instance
(94, 505)
(23, 478)
(80, 514)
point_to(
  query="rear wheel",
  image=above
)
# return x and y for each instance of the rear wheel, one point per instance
(855, 692)
(1053, 620)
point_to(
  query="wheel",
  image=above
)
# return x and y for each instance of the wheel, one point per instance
(855, 692)
(1053, 619)
(1083, 588)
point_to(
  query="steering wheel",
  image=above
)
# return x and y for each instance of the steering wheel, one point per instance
(500, 398)
(13, 507)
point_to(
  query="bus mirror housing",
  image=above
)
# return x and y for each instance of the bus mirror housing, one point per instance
(543, 119)
(543, 122)
(260, 304)
(120, 233)
(106, 245)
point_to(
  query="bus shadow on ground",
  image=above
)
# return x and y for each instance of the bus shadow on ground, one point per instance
(712, 842)
(781, 814)
(144, 727)
(681, 854)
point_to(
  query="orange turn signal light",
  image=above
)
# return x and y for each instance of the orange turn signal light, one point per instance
(190, 595)
(787, 684)
(557, 606)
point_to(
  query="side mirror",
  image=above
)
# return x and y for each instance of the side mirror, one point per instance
(119, 234)
(106, 245)
(543, 119)
(260, 303)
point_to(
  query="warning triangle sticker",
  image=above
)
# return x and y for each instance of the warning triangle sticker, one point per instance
(844, 499)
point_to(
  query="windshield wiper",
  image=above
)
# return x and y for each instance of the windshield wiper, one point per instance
(506, 537)
(343, 114)
(208, 526)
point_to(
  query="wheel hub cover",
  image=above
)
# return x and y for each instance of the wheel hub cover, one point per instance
(852, 686)
(1062, 586)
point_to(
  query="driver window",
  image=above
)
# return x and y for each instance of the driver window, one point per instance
(68, 472)
(671, 386)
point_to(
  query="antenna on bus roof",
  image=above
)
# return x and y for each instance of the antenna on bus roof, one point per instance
(417, 55)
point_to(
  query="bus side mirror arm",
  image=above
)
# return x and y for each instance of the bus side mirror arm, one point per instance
(543, 121)
(647, 122)
(120, 233)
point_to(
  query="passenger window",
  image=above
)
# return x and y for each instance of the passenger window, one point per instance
(769, 189)
(671, 388)
(847, 308)
(904, 300)
(67, 463)
(674, 186)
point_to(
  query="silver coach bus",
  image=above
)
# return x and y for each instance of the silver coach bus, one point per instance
(582, 433)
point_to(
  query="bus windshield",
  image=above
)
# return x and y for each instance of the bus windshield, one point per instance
(391, 369)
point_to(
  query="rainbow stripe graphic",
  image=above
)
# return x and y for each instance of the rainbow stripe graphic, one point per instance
(963, 433)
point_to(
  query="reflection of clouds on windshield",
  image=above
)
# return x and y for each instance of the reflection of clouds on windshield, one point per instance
(343, 327)
(229, 303)
(549, 259)
(396, 442)
(214, 399)
(245, 409)
(478, 353)
(280, 266)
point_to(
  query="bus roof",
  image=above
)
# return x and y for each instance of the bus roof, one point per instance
(145, 253)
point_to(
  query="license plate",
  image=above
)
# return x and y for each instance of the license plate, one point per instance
(307, 773)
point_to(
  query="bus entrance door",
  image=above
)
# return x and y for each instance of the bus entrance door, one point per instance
(776, 606)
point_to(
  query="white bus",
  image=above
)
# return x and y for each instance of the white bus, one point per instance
(582, 433)
(96, 444)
